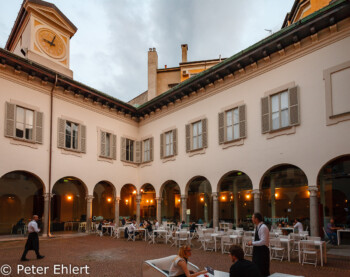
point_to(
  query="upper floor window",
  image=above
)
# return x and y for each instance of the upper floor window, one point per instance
(196, 135)
(232, 124)
(23, 123)
(129, 149)
(108, 144)
(147, 147)
(168, 144)
(71, 135)
(280, 110)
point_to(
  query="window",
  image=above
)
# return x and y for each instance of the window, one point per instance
(232, 124)
(129, 150)
(168, 144)
(196, 135)
(280, 110)
(146, 150)
(23, 123)
(108, 144)
(71, 135)
(169, 148)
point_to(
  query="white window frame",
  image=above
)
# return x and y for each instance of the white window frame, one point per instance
(196, 135)
(31, 139)
(280, 110)
(128, 144)
(234, 124)
(168, 145)
(146, 150)
(77, 125)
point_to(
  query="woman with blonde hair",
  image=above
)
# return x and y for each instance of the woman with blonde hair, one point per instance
(179, 268)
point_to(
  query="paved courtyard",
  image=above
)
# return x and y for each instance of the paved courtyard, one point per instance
(106, 256)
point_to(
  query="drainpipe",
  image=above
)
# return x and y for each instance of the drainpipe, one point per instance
(50, 158)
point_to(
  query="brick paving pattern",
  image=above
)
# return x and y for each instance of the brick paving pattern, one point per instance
(106, 256)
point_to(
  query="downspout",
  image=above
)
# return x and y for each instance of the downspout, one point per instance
(50, 157)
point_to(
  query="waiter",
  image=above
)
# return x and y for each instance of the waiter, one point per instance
(33, 239)
(261, 253)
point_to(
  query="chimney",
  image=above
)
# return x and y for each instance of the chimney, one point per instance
(184, 48)
(152, 73)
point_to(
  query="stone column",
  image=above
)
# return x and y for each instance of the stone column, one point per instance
(116, 211)
(46, 217)
(314, 228)
(89, 212)
(273, 199)
(257, 200)
(235, 203)
(183, 207)
(138, 203)
(215, 209)
(159, 209)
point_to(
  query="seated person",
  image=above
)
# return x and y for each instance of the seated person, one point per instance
(156, 224)
(331, 231)
(179, 268)
(149, 227)
(123, 221)
(242, 267)
(193, 227)
(298, 225)
(132, 227)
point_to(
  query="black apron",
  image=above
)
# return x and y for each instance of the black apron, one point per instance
(261, 255)
(32, 242)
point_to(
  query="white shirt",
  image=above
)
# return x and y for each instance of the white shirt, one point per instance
(131, 228)
(33, 227)
(264, 235)
(299, 226)
(156, 225)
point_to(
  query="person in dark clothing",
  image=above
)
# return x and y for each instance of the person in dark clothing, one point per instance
(123, 221)
(33, 239)
(241, 267)
(193, 227)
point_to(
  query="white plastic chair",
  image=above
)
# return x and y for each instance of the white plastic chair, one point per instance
(209, 242)
(225, 243)
(275, 249)
(308, 250)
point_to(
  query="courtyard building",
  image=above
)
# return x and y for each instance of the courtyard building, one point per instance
(265, 130)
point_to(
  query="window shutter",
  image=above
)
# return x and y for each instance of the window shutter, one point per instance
(188, 137)
(265, 115)
(103, 144)
(205, 132)
(10, 120)
(114, 147)
(242, 121)
(123, 149)
(294, 118)
(38, 127)
(82, 138)
(161, 146)
(175, 142)
(221, 128)
(61, 133)
(151, 149)
(138, 152)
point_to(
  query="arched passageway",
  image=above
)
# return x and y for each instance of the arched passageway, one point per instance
(128, 201)
(103, 201)
(68, 205)
(236, 202)
(148, 203)
(285, 195)
(171, 202)
(21, 196)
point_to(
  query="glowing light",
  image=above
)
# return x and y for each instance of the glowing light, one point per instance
(231, 197)
(109, 199)
(276, 195)
(179, 200)
(308, 193)
(239, 173)
(147, 201)
(141, 190)
(151, 200)
(346, 200)
(69, 197)
(223, 198)
(126, 201)
(247, 196)
(202, 199)
(289, 203)
(134, 192)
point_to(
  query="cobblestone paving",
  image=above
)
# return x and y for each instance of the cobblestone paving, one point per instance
(106, 256)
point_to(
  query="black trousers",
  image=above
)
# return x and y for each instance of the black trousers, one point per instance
(32, 244)
(261, 257)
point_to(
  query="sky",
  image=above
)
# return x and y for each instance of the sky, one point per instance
(109, 50)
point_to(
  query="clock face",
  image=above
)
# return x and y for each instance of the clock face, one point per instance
(51, 43)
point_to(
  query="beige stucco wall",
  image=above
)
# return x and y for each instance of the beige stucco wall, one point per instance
(166, 78)
(312, 145)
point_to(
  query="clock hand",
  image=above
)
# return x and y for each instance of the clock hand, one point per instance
(53, 40)
(49, 42)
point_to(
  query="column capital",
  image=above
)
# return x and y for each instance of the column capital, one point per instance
(215, 196)
(313, 191)
(89, 197)
(138, 198)
(183, 197)
(47, 196)
(159, 199)
(257, 193)
(117, 198)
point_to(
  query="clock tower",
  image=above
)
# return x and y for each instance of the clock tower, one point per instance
(42, 34)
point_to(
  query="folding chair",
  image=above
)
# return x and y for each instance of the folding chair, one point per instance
(308, 249)
(225, 243)
(209, 242)
(275, 248)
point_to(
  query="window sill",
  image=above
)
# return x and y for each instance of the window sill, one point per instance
(168, 158)
(336, 118)
(105, 159)
(23, 142)
(144, 164)
(198, 151)
(132, 164)
(231, 143)
(280, 132)
(72, 152)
